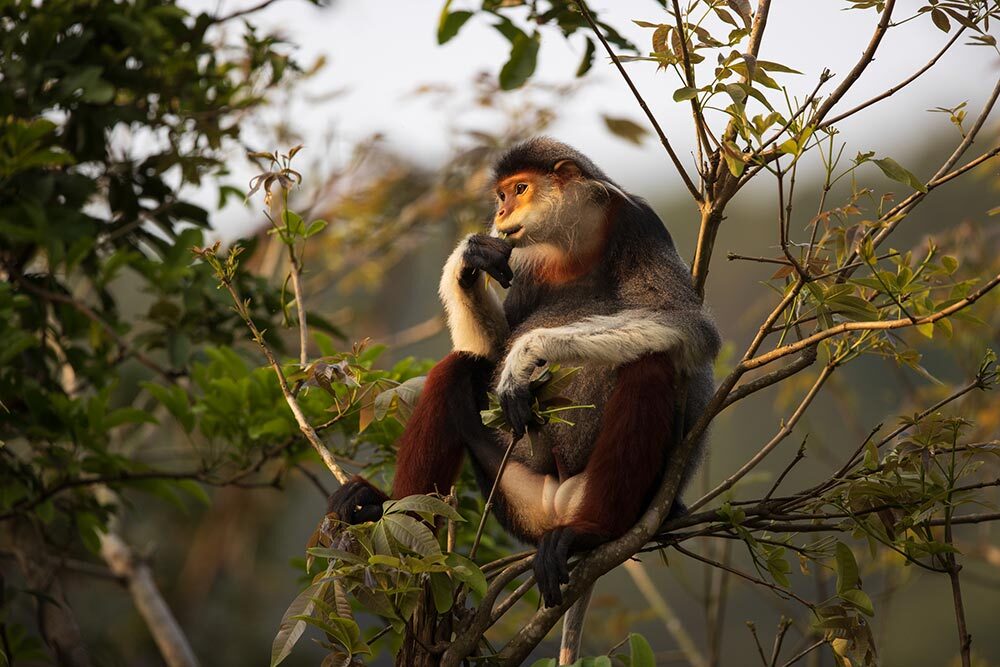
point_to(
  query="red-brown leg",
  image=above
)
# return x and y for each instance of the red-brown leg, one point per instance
(623, 469)
(434, 440)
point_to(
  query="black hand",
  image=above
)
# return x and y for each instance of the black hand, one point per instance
(516, 405)
(551, 563)
(485, 253)
(357, 502)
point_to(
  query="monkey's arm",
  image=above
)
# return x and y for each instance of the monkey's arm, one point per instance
(476, 319)
(689, 336)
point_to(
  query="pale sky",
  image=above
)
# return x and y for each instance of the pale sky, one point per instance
(380, 50)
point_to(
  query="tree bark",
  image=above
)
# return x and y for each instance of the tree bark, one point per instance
(56, 622)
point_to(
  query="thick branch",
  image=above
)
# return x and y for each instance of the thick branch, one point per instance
(166, 631)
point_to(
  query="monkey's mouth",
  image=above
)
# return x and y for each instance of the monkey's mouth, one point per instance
(511, 233)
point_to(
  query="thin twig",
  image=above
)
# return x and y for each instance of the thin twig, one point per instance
(489, 499)
(743, 575)
(642, 103)
(783, 432)
(898, 87)
(801, 654)
(704, 146)
(244, 12)
(876, 325)
(307, 430)
(866, 58)
(779, 638)
(799, 455)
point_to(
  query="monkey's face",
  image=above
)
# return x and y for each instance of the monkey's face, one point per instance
(524, 202)
(535, 208)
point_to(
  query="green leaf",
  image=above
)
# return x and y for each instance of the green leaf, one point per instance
(685, 93)
(292, 622)
(770, 66)
(467, 572)
(734, 158)
(859, 599)
(898, 173)
(315, 227)
(641, 652)
(588, 58)
(940, 20)
(451, 23)
(628, 130)
(441, 591)
(521, 65)
(412, 534)
(423, 505)
(195, 490)
(545, 662)
(847, 569)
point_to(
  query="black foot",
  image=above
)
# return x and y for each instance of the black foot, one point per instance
(551, 563)
(357, 502)
(677, 510)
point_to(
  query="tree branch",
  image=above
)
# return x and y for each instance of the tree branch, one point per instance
(866, 58)
(642, 103)
(166, 632)
(898, 87)
(782, 433)
(875, 325)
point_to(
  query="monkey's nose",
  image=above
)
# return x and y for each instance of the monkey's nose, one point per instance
(501, 213)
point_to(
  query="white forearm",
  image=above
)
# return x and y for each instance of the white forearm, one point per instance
(607, 340)
(475, 314)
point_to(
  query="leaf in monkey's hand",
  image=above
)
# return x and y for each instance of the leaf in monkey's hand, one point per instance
(556, 381)
(546, 390)
(321, 537)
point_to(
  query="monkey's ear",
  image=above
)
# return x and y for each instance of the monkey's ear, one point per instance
(567, 169)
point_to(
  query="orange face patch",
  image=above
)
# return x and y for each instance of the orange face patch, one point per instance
(513, 192)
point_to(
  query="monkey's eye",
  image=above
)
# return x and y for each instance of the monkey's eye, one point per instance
(501, 195)
(520, 188)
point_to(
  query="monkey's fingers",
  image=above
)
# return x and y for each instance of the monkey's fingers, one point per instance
(487, 244)
(490, 255)
(516, 407)
(495, 266)
(566, 536)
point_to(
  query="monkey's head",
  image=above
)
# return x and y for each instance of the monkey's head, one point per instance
(549, 193)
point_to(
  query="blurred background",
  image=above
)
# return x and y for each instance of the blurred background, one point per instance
(397, 132)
